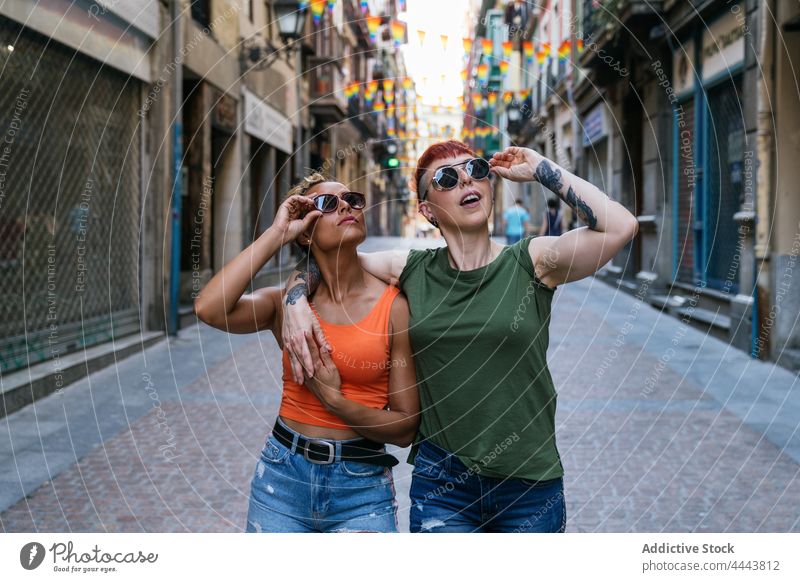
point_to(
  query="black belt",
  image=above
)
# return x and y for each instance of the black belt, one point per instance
(323, 451)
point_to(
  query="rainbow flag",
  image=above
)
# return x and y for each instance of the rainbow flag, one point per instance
(398, 31)
(564, 51)
(477, 100)
(373, 24)
(527, 49)
(467, 45)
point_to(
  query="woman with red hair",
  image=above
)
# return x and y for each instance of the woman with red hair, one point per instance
(485, 456)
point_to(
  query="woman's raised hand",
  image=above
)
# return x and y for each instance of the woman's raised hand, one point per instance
(295, 215)
(516, 164)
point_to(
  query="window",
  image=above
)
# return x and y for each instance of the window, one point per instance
(201, 12)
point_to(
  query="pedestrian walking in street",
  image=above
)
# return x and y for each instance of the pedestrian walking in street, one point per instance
(552, 219)
(485, 457)
(515, 221)
(324, 467)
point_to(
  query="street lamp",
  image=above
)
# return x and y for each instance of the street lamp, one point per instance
(291, 21)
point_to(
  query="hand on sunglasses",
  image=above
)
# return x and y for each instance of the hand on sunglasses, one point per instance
(295, 215)
(516, 164)
(447, 178)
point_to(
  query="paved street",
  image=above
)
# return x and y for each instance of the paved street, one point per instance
(660, 428)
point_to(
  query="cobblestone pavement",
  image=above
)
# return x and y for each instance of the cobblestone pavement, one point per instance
(660, 428)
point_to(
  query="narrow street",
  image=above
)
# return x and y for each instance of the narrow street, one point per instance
(660, 428)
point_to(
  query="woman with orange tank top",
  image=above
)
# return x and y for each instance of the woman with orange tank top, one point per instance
(324, 467)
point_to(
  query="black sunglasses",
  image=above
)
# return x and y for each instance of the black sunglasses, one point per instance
(446, 177)
(330, 202)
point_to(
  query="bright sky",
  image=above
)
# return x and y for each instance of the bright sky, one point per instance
(427, 63)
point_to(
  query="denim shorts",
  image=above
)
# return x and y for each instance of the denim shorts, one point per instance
(447, 497)
(291, 494)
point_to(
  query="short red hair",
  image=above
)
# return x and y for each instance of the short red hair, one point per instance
(443, 149)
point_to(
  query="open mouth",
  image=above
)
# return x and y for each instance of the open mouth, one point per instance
(470, 199)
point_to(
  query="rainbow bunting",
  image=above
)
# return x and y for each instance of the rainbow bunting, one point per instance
(508, 48)
(503, 67)
(398, 31)
(527, 49)
(373, 24)
(483, 72)
(564, 50)
(317, 10)
(508, 96)
(492, 98)
(467, 45)
(477, 100)
(487, 46)
(421, 36)
(408, 83)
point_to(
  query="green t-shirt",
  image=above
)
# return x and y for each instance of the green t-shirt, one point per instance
(480, 342)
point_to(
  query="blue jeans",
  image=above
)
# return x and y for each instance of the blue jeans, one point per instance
(513, 238)
(291, 494)
(447, 497)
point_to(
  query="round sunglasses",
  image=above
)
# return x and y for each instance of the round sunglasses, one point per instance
(446, 177)
(330, 202)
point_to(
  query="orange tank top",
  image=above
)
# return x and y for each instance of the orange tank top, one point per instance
(361, 354)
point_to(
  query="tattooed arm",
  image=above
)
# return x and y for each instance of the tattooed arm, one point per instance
(580, 252)
(298, 319)
(223, 304)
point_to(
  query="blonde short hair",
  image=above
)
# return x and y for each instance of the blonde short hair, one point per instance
(307, 183)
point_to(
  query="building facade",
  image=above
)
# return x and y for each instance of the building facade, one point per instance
(148, 143)
(682, 112)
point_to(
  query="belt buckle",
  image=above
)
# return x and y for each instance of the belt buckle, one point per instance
(331, 451)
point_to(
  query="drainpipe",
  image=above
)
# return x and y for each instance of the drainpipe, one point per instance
(765, 147)
(177, 156)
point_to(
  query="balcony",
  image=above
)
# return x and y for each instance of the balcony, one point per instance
(327, 91)
(608, 23)
(362, 118)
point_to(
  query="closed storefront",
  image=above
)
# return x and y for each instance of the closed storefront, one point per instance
(709, 154)
(70, 199)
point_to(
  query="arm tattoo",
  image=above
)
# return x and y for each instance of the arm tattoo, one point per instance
(296, 293)
(308, 272)
(584, 211)
(551, 178)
